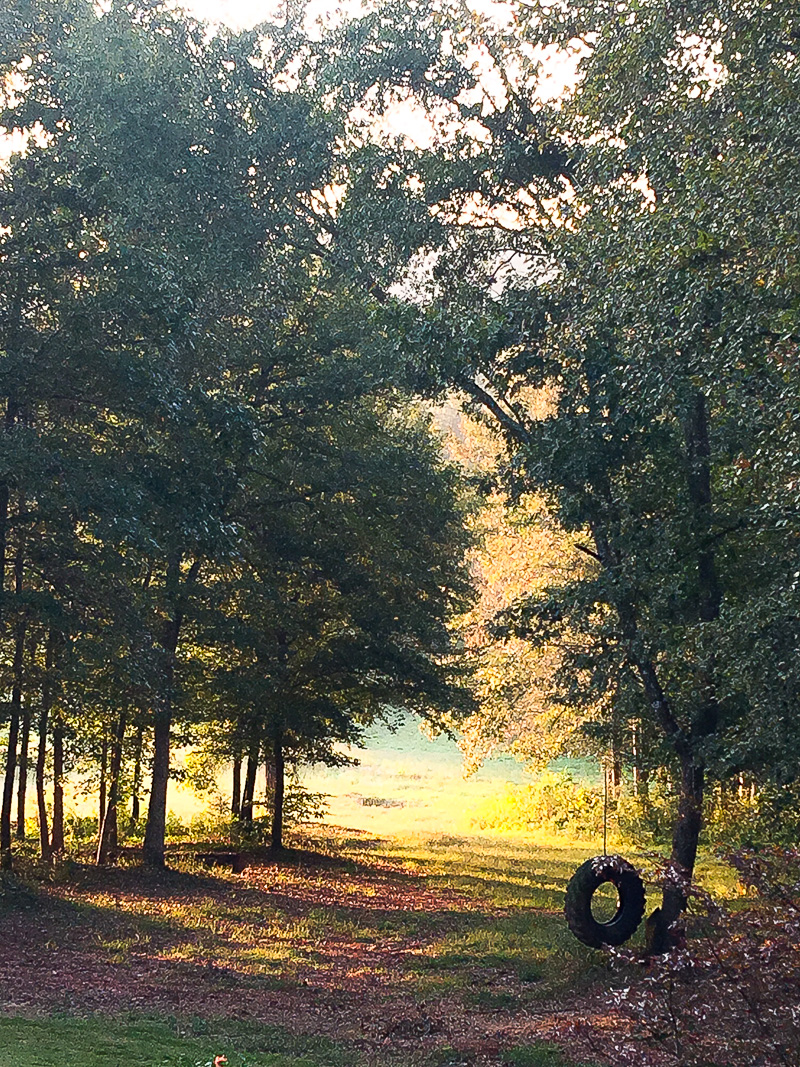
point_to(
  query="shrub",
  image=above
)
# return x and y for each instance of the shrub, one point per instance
(554, 802)
(79, 830)
(300, 805)
(732, 996)
(647, 818)
(176, 829)
(735, 817)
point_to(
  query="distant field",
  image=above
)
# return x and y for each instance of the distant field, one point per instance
(404, 782)
(407, 782)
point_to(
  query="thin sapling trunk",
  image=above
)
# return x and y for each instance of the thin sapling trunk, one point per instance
(109, 837)
(278, 792)
(236, 788)
(41, 755)
(22, 785)
(6, 860)
(137, 779)
(57, 839)
(249, 789)
(101, 806)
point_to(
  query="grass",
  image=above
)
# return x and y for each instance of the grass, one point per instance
(61, 1042)
(365, 951)
(522, 933)
(143, 1042)
(538, 1055)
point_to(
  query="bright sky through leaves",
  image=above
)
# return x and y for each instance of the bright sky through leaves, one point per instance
(559, 68)
(238, 14)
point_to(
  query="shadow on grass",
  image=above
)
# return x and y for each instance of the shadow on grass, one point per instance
(318, 938)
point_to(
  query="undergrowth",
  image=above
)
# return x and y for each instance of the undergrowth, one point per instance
(559, 805)
(727, 997)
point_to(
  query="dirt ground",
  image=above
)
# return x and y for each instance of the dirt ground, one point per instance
(325, 945)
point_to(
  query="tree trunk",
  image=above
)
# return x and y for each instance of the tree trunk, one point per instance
(5, 847)
(661, 935)
(236, 788)
(41, 755)
(6, 860)
(137, 779)
(22, 785)
(698, 478)
(57, 839)
(614, 774)
(155, 831)
(269, 780)
(277, 798)
(11, 754)
(687, 827)
(108, 838)
(248, 793)
(4, 502)
(41, 800)
(101, 806)
(708, 601)
(24, 750)
(686, 832)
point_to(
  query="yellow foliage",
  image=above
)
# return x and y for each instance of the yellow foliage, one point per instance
(522, 550)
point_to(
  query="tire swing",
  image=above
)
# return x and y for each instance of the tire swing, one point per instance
(587, 880)
(578, 905)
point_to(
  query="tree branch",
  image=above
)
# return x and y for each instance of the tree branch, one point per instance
(588, 551)
(512, 426)
(645, 667)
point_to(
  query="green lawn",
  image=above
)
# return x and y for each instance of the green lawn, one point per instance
(107, 1042)
(103, 1042)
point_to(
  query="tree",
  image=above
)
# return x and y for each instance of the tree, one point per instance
(338, 611)
(520, 550)
(189, 384)
(632, 249)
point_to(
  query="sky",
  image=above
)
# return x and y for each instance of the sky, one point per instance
(559, 69)
(238, 14)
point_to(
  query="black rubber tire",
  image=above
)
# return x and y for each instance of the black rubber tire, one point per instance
(581, 889)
